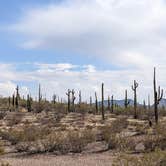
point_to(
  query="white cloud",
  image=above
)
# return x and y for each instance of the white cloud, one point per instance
(57, 78)
(129, 33)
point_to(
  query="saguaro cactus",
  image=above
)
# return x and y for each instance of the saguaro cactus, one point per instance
(73, 100)
(69, 102)
(96, 103)
(40, 95)
(13, 100)
(54, 99)
(29, 104)
(112, 103)
(102, 102)
(17, 97)
(80, 98)
(9, 101)
(149, 102)
(157, 97)
(144, 104)
(134, 88)
(90, 101)
(109, 104)
(126, 102)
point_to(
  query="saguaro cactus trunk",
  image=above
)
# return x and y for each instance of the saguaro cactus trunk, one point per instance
(68, 102)
(73, 100)
(148, 102)
(157, 96)
(112, 103)
(134, 88)
(40, 95)
(80, 98)
(109, 104)
(17, 97)
(96, 103)
(126, 103)
(29, 106)
(102, 103)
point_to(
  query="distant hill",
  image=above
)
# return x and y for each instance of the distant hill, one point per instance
(162, 103)
(121, 103)
(118, 102)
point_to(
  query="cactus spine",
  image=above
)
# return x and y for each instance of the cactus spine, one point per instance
(102, 103)
(157, 97)
(126, 103)
(134, 88)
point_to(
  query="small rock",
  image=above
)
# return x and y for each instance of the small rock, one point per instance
(95, 147)
(140, 147)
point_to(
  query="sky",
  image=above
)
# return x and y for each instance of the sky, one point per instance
(79, 44)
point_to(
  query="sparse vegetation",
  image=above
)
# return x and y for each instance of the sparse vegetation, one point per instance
(39, 126)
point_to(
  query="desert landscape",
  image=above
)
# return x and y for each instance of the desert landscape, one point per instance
(96, 133)
(82, 83)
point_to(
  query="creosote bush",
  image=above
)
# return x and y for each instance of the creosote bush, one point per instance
(58, 142)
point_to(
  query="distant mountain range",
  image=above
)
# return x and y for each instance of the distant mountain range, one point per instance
(118, 102)
(121, 103)
(162, 103)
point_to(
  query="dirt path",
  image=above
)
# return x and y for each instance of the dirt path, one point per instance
(102, 159)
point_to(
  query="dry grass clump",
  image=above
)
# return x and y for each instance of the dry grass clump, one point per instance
(15, 119)
(157, 158)
(111, 133)
(58, 142)
(2, 114)
(28, 133)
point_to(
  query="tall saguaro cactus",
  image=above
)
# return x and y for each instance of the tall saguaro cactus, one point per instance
(54, 99)
(80, 98)
(148, 102)
(13, 100)
(96, 103)
(144, 104)
(126, 102)
(73, 100)
(112, 103)
(109, 104)
(68, 102)
(40, 95)
(157, 96)
(134, 88)
(29, 103)
(102, 102)
(17, 97)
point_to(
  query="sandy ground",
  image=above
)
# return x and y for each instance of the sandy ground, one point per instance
(102, 159)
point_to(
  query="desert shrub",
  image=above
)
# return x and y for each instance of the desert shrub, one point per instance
(28, 134)
(156, 158)
(61, 142)
(15, 119)
(3, 163)
(111, 133)
(2, 114)
(116, 127)
(12, 136)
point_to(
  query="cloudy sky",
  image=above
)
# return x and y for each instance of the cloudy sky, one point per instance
(80, 44)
